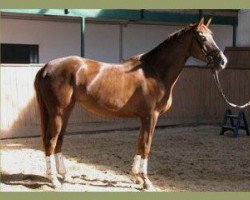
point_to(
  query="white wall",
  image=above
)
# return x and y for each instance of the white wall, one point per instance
(243, 29)
(55, 39)
(102, 42)
(58, 39)
(223, 35)
(139, 38)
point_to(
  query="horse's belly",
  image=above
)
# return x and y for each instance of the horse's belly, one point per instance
(97, 108)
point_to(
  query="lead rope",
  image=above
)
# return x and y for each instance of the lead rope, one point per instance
(218, 84)
(216, 76)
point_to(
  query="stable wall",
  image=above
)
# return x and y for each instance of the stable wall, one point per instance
(105, 41)
(55, 38)
(140, 38)
(195, 100)
(243, 29)
(114, 42)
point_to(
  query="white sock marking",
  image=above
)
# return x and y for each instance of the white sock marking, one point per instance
(51, 166)
(51, 170)
(61, 169)
(136, 164)
(144, 166)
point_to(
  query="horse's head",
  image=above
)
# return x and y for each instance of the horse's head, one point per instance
(204, 47)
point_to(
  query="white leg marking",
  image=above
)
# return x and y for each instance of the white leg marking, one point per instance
(144, 166)
(136, 164)
(51, 171)
(60, 166)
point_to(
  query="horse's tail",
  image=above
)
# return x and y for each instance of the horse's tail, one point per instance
(41, 104)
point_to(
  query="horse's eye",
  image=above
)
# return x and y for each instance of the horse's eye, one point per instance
(203, 38)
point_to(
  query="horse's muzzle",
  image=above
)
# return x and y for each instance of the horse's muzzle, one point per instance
(218, 61)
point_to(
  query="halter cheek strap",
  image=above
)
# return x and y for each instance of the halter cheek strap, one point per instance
(207, 54)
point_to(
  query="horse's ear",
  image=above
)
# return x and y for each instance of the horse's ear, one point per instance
(209, 21)
(201, 21)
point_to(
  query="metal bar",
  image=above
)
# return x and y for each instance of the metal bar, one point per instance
(121, 43)
(83, 25)
(134, 15)
(234, 35)
(40, 17)
(66, 11)
(200, 14)
(142, 14)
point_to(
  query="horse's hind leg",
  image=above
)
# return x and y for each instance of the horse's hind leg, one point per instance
(54, 127)
(60, 166)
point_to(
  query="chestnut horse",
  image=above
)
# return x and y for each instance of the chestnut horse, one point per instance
(139, 87)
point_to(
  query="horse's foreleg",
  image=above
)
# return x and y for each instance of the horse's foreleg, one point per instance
(140, 164)
(137, 159)
(60, 165)
(50, 141)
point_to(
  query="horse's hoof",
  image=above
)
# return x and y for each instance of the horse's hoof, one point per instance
(138, 180)
(56, 184)
(67, 178)
(148, 187)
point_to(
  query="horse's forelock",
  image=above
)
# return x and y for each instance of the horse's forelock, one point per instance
(203, 28)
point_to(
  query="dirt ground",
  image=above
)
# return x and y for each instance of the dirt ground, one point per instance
(182, 159)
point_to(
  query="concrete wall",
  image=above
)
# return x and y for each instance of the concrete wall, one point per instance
(55, 39)
(243, 29)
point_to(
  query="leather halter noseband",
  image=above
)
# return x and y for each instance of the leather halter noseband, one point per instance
(211, 62)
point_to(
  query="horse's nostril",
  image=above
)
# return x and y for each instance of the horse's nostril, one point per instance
(222, 62)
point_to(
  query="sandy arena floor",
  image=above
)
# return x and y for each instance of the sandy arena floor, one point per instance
(182, 159)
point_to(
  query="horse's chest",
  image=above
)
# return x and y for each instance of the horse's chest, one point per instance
(165, 104)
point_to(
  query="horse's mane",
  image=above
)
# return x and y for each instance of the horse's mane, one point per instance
(171, 38)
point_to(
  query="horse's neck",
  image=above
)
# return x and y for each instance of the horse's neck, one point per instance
(169, 60)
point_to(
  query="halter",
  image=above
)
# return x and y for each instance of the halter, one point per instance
(211, 62)
(207, 54)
